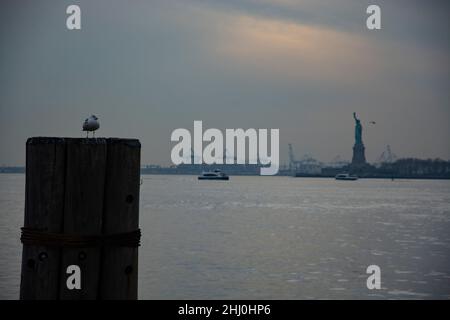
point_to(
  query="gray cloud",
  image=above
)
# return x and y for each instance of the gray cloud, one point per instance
(148, 67)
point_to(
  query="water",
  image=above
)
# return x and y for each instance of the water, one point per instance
(274, 238)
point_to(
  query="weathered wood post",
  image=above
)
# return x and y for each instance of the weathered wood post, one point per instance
(121, 214)
(81, 209)
(44, 207)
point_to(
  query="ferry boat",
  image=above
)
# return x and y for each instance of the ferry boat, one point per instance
(213, 175)
(346, 176)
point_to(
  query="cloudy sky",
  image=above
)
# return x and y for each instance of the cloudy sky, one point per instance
(303, 66)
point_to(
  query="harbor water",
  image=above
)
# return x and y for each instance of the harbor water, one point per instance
(274, 238)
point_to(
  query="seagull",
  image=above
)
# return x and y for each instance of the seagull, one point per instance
(91, 124)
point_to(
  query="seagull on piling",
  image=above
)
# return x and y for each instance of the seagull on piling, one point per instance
(91, 124)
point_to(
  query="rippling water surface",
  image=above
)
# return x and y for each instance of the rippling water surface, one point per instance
(274, 238)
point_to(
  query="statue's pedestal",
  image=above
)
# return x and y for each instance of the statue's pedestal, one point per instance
(359, 166)
(359, 157)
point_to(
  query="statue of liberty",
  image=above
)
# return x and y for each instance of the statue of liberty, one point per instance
(359, 157)
(358, 130)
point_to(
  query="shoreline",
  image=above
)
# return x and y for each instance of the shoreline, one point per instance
(278, 175)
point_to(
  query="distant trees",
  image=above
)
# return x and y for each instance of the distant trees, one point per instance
(417, 167)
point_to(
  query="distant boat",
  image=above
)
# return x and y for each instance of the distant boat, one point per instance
(346, 176)
(213, 175)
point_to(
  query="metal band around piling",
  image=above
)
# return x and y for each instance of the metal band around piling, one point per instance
(37, 237)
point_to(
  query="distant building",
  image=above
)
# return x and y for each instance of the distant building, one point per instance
(308, 165)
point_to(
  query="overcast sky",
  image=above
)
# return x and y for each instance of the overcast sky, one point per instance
(149, 67)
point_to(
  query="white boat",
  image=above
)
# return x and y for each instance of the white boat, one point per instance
(213, 175)
(346, 176)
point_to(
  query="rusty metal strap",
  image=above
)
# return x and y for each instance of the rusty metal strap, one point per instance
(37, 237)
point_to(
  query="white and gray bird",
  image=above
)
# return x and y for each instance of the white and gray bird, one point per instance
(91, 124)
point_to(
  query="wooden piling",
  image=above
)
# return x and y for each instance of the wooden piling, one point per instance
(88, 189)
(44, 207)
(121, 214)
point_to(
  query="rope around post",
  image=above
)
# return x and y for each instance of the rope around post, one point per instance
(38, 237)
